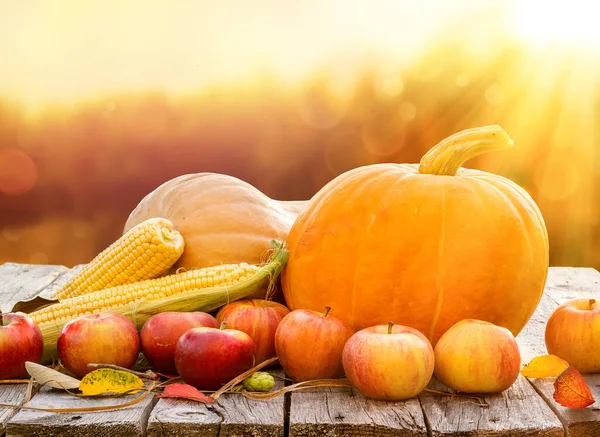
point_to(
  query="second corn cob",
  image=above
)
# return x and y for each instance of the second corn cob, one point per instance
(146, 251)
(179, 292)
(149, 289)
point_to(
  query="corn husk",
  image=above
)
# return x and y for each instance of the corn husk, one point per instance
(206, 299)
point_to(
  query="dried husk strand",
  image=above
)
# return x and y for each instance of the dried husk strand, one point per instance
(206, 299)
(343, 382)
(261, 396)
(235, 381)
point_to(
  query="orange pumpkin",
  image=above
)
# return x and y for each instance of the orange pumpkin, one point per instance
(421, 245)
(222, 219)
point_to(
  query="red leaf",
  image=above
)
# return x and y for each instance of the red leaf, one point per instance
(185, 391)
(571, 390)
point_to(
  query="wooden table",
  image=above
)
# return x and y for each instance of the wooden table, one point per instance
(526, 409)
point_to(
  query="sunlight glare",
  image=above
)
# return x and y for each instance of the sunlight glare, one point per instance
(571, 22)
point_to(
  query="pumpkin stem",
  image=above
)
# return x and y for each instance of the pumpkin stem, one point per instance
(449, 154)
(327, 309)
(390, 326)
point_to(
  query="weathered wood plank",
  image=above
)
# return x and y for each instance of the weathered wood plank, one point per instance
(563, 284)
(17, 282)
(24, 281)
(518, 411)
(345, 412)
(128, 421)
(10, 394)
(233, 416)
(531, 338)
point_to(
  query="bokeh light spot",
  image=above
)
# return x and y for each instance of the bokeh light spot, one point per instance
(494, 94)
(462, 80)
(383, 142)
(82, 230)
(18, 172)
(345, 151)
(10, 234)
(407, 111)
(319, 110)
(392, 86)
(38, 258)
(557, 179)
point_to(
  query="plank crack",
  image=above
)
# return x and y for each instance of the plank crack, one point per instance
(425, 418)
(213, 409)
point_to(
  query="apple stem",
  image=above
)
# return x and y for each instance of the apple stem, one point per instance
(223, 324)
(327, 309)
(592, 302)
(390, 326)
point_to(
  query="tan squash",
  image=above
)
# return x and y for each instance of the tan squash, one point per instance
(223, 220)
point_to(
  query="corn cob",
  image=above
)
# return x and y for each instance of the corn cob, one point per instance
(137, 292)
(146, 251)
(195, 290)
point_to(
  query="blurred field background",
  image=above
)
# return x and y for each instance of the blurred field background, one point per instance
(102, 101)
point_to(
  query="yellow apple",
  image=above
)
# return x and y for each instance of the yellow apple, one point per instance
(573, 334)
(388, 362)
(474, 356)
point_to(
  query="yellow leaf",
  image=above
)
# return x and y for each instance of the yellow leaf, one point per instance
(102, 381)
(544, 366)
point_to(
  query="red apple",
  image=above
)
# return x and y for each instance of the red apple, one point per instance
(161, 332)
(389, 362)
(309, 345)
(259, 319)
(573, 334)
(20, 341)
(106, 338)
(208, 357)
(474, 356)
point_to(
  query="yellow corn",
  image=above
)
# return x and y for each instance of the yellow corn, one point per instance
(149, 289)
(195, 290)
(146, 251)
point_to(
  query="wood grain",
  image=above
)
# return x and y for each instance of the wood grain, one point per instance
(526, 409)
(345, 412)
(23, 282)
(233, 416)
(518, 411)
(566, 283)
(10, 394)
(128, 421)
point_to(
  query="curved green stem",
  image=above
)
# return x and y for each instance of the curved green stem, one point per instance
(449, 154)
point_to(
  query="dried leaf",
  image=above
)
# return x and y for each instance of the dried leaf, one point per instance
(148, 374)
(31, 305)
(544, 366)
(104, 381)
(53, 378)
(571, 390)
(185, 391)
